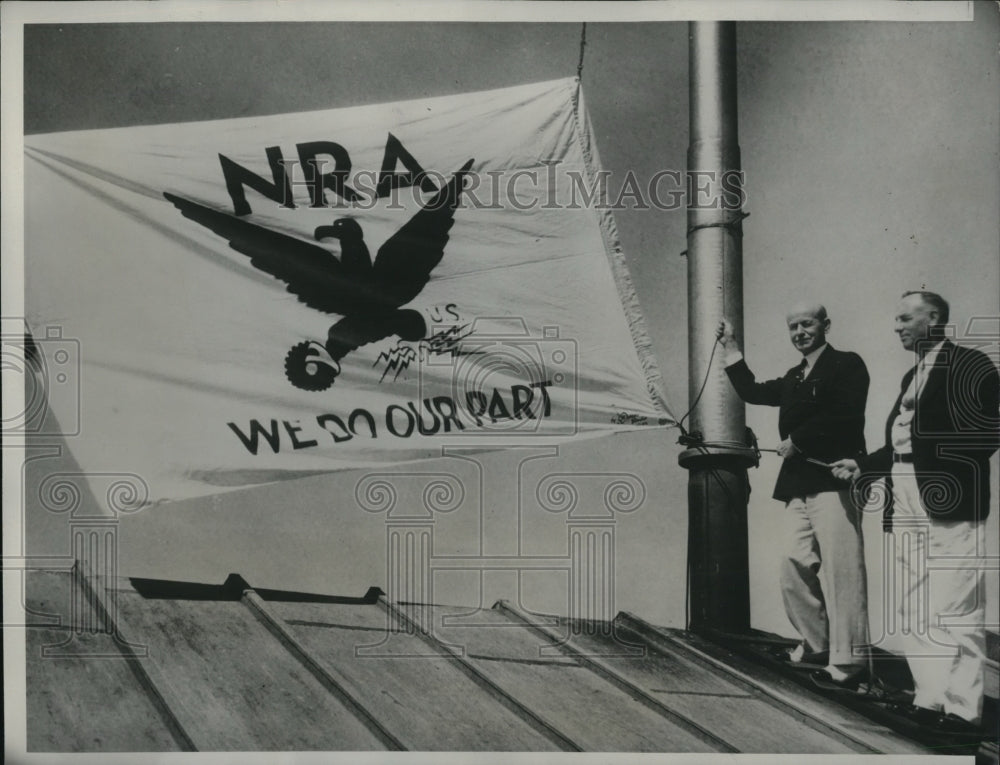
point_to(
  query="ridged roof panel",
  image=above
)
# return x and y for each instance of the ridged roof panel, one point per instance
(144, 665)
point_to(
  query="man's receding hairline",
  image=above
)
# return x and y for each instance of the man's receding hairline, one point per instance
(931, 301)
(920, 301)
(817, 310)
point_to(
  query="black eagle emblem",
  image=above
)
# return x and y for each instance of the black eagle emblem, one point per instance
(368, 295)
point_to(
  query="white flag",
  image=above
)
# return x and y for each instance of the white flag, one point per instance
(249, 300)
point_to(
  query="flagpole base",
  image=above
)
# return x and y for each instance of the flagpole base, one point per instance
(718, 555)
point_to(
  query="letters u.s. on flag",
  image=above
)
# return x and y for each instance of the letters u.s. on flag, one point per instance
(243, 301)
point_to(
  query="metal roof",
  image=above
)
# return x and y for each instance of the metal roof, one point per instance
(155, 666)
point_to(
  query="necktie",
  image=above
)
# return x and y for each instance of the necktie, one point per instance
(800, 372)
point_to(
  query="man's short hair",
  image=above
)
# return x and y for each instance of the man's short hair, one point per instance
(935, 301)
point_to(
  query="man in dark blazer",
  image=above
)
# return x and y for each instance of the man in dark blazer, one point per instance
(821, 418)
(939, 437)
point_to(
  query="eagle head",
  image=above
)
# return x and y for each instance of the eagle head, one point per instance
(344, 229)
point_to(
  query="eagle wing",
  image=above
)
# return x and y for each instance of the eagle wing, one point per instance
(405, 261)
(312, 274)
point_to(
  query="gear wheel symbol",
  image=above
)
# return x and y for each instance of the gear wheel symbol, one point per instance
(307, 366)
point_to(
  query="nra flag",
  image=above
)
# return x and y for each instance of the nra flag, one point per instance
(225, 303)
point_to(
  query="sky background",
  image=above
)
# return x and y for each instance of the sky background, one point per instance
(870, 152)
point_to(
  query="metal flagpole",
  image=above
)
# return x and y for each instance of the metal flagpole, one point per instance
(718, 455)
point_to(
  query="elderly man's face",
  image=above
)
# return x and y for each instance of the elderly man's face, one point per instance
(914, 318)
(807, 329)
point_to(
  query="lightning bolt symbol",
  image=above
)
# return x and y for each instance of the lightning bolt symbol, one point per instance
(397, 359)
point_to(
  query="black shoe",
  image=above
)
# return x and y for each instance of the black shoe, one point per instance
(934, 720)
(823, 680)
(895, 700)
(922, 716)
(959, 726)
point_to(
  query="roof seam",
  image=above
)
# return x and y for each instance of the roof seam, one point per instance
(532, 718)
(290, 643)
(651, 634)
(611, 675)
(152, 681)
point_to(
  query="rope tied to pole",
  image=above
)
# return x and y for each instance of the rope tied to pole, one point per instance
(583, 46)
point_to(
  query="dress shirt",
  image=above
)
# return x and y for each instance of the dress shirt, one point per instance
(902, 425)
(810, 359)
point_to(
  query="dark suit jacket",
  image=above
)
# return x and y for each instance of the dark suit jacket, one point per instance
(955, 429)
(824, 415)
